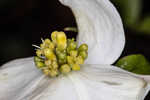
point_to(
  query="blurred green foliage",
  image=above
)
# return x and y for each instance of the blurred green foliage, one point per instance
(144, 25)
(135, 63)
(130, 11)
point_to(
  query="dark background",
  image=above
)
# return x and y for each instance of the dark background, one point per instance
(24, 22)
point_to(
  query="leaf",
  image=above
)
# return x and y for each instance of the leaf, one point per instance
(135, 63)
(130, 10)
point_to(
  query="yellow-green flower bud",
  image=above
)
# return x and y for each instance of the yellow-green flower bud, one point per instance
(54, 65)
(62, 56)
(50, 66)
(51, 46)
(61, 40)
(65, 69)
(62, 61)
(83, 47)
(83, 54)
(79, 60)
(48, 62)
(72, 45)
(73, 53)
(53, 36)
(53, 73)
(47, 41)
(75, 67)
(42, 46)
(37, 59)
(70, 60)
(48, 44)
(46, 71)
(39, 52)
(68, 50)
(58, 51)
(49, 54)
(40, 64)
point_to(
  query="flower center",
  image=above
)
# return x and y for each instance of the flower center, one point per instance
(59, 55)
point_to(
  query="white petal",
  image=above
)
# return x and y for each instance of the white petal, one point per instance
(99, 82)
(102, 82)
(16, 78)
(146, 78)
(100, 27)
(20, 80)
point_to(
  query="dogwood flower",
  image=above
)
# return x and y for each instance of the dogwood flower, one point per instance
(101, 28)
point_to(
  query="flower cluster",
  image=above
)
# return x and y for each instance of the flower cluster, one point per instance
(59, 55)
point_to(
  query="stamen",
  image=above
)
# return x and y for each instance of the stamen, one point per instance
(42, 40)
(38, 47)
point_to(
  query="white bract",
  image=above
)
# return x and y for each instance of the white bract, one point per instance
(101, 28)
